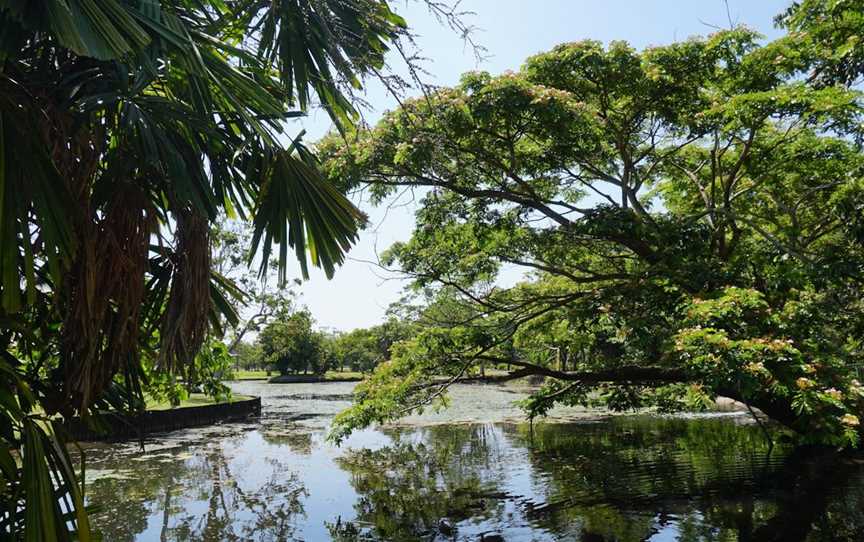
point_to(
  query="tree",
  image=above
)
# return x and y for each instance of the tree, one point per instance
(248, 356)
(292, 346)
(824, 41)
(356, 349)
(688, 219)
(363, 349)
(126, 128)
(264, 298)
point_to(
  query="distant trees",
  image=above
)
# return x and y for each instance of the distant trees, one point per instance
(291, 345)
(356, 350)
(364, 349)
(249, 356)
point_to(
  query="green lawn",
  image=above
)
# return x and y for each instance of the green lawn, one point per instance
(252, 375)
(346, 375)
(329, 375)
(195, 399)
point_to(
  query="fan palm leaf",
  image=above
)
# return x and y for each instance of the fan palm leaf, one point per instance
(126, 128)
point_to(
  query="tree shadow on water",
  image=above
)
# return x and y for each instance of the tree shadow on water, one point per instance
(626, 479)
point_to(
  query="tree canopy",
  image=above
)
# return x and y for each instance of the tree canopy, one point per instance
(364, 349)
(290, 344)
(687, 220)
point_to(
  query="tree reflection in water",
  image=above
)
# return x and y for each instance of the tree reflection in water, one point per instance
(627, 479)
(623, 479)
(194, 498)
(405, 489)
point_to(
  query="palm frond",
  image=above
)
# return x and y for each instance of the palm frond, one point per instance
(126, 127)
(33, 200)
(296, 207)
(304, 39)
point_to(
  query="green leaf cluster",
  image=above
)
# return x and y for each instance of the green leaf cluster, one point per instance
(682, 223)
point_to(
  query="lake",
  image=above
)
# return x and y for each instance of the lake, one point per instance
(473, 472)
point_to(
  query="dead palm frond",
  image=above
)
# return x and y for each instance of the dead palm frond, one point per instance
(126, 127)
(184, 322)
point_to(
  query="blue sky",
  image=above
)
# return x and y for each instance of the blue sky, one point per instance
(510, 30)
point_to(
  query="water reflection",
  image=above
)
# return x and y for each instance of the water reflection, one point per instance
(191, 493)
(623, 479)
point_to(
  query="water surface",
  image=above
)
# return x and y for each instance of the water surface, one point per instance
(470, 473)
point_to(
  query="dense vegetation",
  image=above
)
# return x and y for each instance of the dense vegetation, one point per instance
(127, 128)
(688, 219)
(364, 349)
(290, 344)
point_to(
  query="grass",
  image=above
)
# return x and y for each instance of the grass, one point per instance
(329, 375)
(253, 375)
(194, 399)
(343, 375)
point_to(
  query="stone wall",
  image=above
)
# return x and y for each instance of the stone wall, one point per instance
(116, 427)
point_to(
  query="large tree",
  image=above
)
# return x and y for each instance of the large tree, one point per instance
(291, 345)
(688, 219)
(126, 128)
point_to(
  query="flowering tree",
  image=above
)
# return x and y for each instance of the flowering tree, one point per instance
(688, 218)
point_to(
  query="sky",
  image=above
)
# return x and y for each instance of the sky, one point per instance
(510, 31)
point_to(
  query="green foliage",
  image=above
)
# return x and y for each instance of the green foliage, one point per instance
(731, 343)
(363, 349)
(825, 37)
(213, 365)
(291, 345)
(687, 221)
(357, 350)
(127, 128)
(248, 356)
(40, 494)
(164, 387)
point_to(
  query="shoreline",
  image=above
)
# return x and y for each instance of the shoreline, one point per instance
(312, 379)
(118, 427)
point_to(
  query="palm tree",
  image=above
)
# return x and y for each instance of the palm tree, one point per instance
(126, 128)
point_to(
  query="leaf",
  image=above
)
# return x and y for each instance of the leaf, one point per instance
(297, 207)
(28, 178)
(102, 29)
